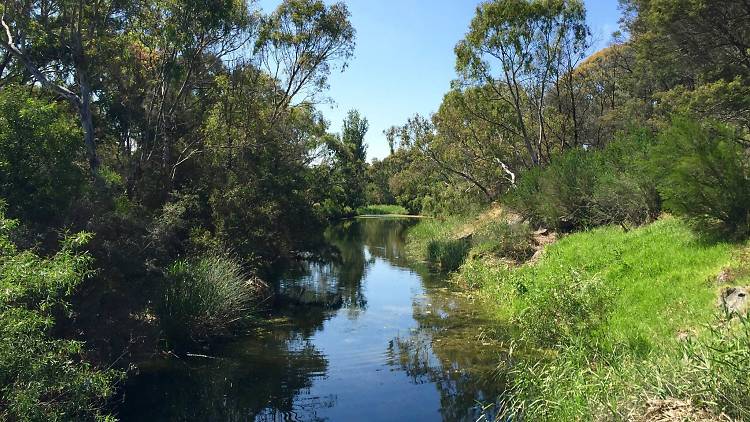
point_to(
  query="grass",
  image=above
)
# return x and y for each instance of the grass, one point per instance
(206, 297)
(423, 237)
(382, 209)
(604, 313)
(662, 277)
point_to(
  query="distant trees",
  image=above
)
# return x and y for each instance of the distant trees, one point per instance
(348, 166)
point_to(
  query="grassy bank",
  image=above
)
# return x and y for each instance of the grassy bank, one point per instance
(618, 322)
(382, 209)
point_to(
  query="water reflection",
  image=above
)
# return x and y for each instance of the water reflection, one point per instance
(363, 336)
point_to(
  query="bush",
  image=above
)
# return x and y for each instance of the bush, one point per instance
(704, 173)
(205, 297)
(40, 145)
(449, 254)
(513, 241)
(42, 377)
(570, 309)
(583, 189)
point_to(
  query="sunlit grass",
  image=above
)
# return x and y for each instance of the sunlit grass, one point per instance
(382, 210)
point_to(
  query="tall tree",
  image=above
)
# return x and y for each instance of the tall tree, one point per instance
(351, 158)
(516, 48)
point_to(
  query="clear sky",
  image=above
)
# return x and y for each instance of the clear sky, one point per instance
(404, 62)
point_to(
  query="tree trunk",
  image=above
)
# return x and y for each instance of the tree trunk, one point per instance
(87, 123)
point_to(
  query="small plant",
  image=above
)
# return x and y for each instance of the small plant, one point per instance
(573, 307)
(206, 297)
(513, 241)
(714, 372)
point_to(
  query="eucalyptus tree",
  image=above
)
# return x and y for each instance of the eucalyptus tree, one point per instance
(516, 47)
(60, 44)
(299, 44)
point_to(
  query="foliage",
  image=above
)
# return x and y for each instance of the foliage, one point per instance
(348, 164)
(207, 296)
(520, 49)
(704, 175)
(583, 188)
(569, 308)
(40, 176)
(43, 377)
(429, 229)
(713, 370)
(382, 210)
(503, 239)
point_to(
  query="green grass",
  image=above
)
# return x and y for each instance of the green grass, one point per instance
(662, 277)
(206, 297)
(599, 319)
(382, 210)
(429, 231)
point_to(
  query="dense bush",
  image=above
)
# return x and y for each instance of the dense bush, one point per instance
(42, 377)
(704, 175)
(586, 188)
(506, 240)
(205, 297)
(40, 176)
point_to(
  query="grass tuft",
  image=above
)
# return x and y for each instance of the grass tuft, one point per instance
(206, 297)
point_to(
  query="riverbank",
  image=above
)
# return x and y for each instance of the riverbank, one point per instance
(622, 324)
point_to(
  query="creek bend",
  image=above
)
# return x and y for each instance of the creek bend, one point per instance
(369, 336)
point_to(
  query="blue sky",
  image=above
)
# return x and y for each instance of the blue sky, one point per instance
(404, 60)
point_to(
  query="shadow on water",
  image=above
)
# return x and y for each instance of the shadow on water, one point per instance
(365, 335)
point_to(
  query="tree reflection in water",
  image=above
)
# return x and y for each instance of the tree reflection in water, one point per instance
(304, 365)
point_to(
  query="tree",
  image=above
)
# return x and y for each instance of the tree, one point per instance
(694, 41)
(517, 47)
(298, 45)
(350, 152)
(59, 44)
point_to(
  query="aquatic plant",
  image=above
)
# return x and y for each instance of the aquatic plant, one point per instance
(207, 296)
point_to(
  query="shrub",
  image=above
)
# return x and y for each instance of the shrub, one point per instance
(449, 254)
(205, 297)
(505, 240)
(704, 173)
(572, 307)
(587, 188)
(42, 377)
(40, 145)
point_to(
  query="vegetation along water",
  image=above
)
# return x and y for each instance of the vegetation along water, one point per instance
(188, 233)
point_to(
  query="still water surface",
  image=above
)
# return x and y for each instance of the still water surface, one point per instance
(368, 336)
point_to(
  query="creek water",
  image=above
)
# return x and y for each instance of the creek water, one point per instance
(368, 336)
